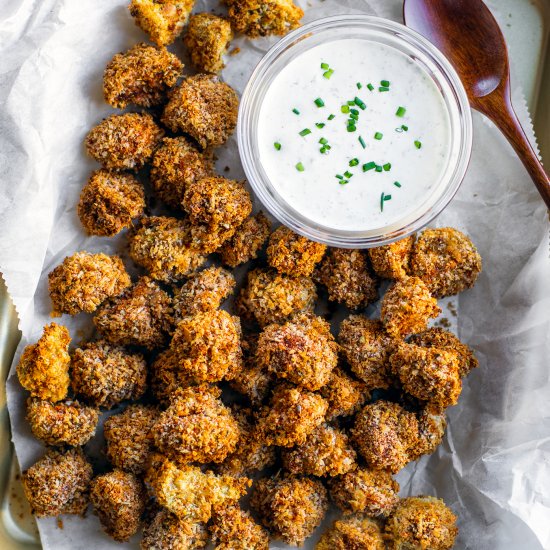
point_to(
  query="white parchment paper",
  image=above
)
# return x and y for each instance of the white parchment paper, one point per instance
(493, 467)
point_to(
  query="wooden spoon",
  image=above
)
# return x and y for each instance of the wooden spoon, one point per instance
(469, 36)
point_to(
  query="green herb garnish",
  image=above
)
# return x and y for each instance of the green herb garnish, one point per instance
(369, 166)
(305, 132)
(378, 136)
(362, 142)
(354, 162)
(319, 102)
(277, 146)
(300, 167)
(418, 144)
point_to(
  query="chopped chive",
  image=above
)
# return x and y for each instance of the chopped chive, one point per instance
(339, 177)
(379, 168)
(370, 86)
(320, 124)
(354, 116)
(344, 109)
(418, 144)
(387, 167)
(300, 167)
(354, 111)
(277, 146)
(382, 202)
(319, 102)
(387, 198)
(325, 66)
(343, 182)
(323, 149)
(360, 103)
(348, 174)
(295, 111)
(352, 128)
(400, 112)
(305, 132)
(385, 83)
(359, 85)
(378, 136)
(397, 184)
(323, 141)
(362, 142)
(331, 117)
(351, 103)
(328, 74)
(404, 128)
(353, 162)
(383, 89)
(369, 166)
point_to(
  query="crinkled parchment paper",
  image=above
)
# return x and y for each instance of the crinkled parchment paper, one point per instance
(493, 467)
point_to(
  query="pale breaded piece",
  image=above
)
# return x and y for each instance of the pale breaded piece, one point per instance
(84, 281)
(392, 261)
(43, 368)
(431, 429)
(234, 529)
(167, 376)
(167, 532)
(356, 532)
(344, 394)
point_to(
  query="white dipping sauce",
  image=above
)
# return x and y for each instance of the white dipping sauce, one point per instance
(316, 192)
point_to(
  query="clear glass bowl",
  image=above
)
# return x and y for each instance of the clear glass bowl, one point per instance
(383, 31)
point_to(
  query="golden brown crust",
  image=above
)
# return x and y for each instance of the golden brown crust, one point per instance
(167, 376)
(167, 532)
(253, 381)
(431, 429)
(344, 394)
(392, 261)
(356, 532)
(235, 529)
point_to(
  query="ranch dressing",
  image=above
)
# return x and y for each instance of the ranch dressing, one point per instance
(358, 169)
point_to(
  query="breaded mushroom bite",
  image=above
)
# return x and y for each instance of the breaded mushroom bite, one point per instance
(204, 108)
(58, 483)
(293, 254)
(418, 523)
(63, 423)
(140, 76)
(446, 260)
(119, 500)
(124, 142)
(253, 381)
(356, 532)
(84, 281)
(392, 261)
(290, 507)
(234, 529)
(344, 394)
(104, 374)
(346, 276)
(167, 376)
(407, 307)
(141, 316)
(167, 532)
(207, 39)
(431, 429)
(109, 202)
(162, 20)
(43, 368)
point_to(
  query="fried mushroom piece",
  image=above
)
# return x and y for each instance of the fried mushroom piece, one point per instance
(270, 297)
(43, 368)
(373, 492)
(162, 20)
(234, 529)
(207, 39)
(208, 345)
(356, 532)
(392, 261)
(63, 423)
(167, 532)
(141, 76)
(290, 507)
(204, 108)
(344, 394)
(446, 260)
(431, 429)
(247, 241)
(167, 376)
(407, 307)
(105, 374)
(124, 142)
(196, 427)
(326, 452)
(293, 254)
(109, 202)
(58, 483)
(119, 500)
(264, 17)
(84, 281)
(141, 316)
(129, 438)
(253, 381)
(421, 522)
(429, 374)
(176, 163)
(204, 291)
(385, 435)
(346, 276)
(302, 350)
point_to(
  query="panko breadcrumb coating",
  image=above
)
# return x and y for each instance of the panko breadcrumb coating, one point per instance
(204, 291)
(167, 376)
(270, 297)
(293, 414)
(176, 163)
(407, 307)
(124, 142)
(204, 108)
(392, 261)
(84, 281)
(119, 500)
(253, 381)
(247, 241)
(235, 529)
(167, 532)
(442, 339)
(344, 394)
(429, 374)
(58, 483)
(420, 523)
(162, 20)
(109, 202)
(326, 452)
(264, 17)
(141, 316)
(367, 347)
(129, 438)
(105, 374)
(207, 39)
(302, 350)
(293, 254)
(385, 435)
(208, 345)
(346, 276)
(356, 532)
(196, 427)
(63, 423)
(43, 368)
(431, 429)
(190, 493)
(446, 260)
(373, 492)
(290, 507)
